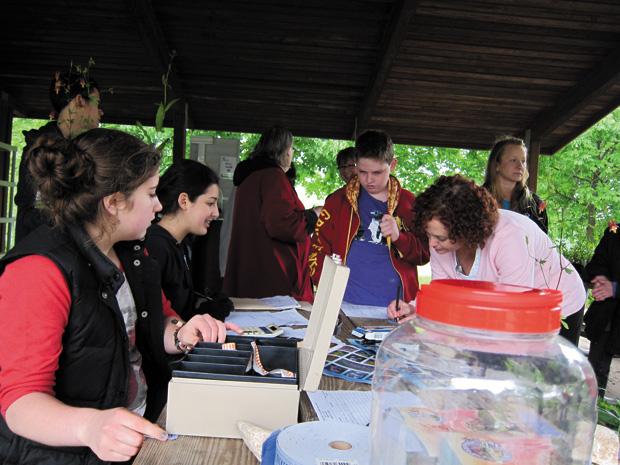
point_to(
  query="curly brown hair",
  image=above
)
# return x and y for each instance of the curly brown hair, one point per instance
(469, 212)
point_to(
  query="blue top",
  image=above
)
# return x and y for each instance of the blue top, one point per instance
(373, 279)
(505, 204)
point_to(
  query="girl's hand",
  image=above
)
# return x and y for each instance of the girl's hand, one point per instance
(117, 434)
(204, 328)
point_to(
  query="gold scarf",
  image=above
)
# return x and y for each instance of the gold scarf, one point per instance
(353, 193)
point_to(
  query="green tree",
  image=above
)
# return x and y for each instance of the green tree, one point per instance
(581, 184)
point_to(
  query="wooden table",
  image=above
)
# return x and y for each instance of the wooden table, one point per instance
(191, 450)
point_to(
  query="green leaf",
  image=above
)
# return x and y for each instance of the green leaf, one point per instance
(172, 102)
(159, 117)
(163, 144)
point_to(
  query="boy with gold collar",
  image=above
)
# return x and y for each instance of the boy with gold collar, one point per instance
(368, 223)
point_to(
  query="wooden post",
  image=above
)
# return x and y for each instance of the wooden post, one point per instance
(180, 131)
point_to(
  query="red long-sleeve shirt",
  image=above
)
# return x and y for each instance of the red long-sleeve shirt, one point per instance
(34, 306)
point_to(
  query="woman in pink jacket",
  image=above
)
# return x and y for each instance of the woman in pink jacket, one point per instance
(469, 238)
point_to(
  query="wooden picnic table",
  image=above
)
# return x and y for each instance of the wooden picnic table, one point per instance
(193, 450)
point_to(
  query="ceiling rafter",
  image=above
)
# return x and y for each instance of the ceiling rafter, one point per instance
(594, 118)
(594, 84)
(394, 35)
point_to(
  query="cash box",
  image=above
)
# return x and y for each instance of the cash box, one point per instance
(212, 389)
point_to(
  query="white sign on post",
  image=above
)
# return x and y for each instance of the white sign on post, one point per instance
(227, 167)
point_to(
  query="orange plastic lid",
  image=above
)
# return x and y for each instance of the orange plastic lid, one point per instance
(492, 306)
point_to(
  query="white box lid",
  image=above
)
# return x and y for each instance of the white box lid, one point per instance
(327, 301)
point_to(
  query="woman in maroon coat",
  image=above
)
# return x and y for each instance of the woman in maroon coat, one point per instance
(269, 242)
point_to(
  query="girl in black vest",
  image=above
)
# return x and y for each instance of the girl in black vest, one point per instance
(85, 325)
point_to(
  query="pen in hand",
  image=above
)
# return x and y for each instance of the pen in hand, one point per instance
(397, 318)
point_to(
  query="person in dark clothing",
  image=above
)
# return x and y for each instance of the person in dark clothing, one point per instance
(603, 316)
(506, 179)
(86, 327)
(76, 101)
(270, 240)
(188, 192)
(346, 160)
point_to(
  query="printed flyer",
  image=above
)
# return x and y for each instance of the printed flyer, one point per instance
(350, 363)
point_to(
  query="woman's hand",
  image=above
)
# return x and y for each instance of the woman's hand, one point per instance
(117, 434)
(406, 311)
(204, 328)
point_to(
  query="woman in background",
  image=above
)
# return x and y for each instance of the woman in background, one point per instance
(269, 243)
(76, 101)
(470, 238)
(506, 179)
(188, 192)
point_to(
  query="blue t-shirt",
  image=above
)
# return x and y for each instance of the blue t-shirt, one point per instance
(372, 280)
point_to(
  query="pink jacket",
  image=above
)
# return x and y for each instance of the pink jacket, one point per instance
(513, 255)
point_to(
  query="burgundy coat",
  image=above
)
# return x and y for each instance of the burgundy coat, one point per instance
(269, 243)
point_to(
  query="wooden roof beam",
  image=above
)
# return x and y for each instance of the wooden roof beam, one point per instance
(394, 36)
(595, 118)
(155, 42)
(596, 82)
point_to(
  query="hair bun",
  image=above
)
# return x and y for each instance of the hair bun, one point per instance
(60, 169)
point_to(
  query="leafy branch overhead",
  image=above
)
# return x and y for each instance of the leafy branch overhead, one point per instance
(162, 109)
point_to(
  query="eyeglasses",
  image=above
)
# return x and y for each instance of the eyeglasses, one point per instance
(350, 165)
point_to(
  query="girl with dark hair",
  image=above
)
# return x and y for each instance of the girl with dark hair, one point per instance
(85, 325)
(76, 99)
(506, 179)
(469, 238)
(269, 242)
(188, 192)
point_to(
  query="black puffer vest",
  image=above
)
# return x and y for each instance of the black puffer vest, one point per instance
(93, 365)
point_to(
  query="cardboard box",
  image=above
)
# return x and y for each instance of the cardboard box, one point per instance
(208, 399)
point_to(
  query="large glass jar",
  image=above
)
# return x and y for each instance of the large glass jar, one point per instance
(480, 376)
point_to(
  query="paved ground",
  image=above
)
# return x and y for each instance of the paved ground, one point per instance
(613, 384)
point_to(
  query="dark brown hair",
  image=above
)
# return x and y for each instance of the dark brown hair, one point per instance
(73, 176)
(187, 176)
(469, 212)
(376, 145)
(346, 155)
(66, 86)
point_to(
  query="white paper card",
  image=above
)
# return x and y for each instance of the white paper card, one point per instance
(345, 406)
(363, 311)
(280, 318)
